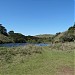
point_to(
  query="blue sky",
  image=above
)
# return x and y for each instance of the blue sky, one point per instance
(32, 17)
(74, 10)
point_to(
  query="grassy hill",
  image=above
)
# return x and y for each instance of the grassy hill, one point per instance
(45, 38)
(67, 36)
(57, 37)
(5, 39)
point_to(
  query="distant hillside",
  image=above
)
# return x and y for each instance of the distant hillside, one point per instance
(67, 36)
(45, 35)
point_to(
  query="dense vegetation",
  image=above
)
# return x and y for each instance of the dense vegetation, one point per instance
(11, 36)
(69, 35)
(3, 30)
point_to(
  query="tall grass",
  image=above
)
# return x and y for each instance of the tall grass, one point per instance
(63, 46)
(34, 60)
(7, 54)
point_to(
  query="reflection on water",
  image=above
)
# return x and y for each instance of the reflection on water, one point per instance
(12, 44)
(21, 44)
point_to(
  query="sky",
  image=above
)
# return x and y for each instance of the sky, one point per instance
(33, 17)
(74, 10)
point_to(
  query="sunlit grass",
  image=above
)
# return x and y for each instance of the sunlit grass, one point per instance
(33, 60)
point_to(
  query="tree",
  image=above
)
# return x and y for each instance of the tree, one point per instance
(11, 32)
(58, 33)
(3, 30)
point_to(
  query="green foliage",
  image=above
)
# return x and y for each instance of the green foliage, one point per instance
(20, 38)
(67, 38)
(72, 28)
(11, 32)
(3, 30)
(58, 34)
(5, 39)
(17, 37)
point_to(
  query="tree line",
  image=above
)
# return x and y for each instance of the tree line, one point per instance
(20, 38)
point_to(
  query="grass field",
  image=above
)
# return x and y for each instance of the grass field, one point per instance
(57, 59)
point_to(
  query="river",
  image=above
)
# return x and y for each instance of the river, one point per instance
(20, 44)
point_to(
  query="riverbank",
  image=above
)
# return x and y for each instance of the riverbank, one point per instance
(57, 59)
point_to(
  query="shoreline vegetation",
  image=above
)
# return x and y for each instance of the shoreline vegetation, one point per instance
(56, 59)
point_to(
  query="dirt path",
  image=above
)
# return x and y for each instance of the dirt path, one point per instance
(65, 71)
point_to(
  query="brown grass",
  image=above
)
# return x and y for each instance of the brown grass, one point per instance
(63, 46)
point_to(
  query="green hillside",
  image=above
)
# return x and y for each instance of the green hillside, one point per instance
(67, 36)
(5, 39)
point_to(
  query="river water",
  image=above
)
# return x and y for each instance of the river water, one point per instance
(21, 44)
